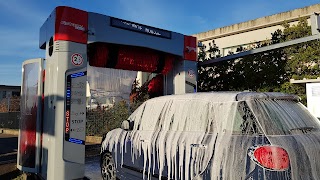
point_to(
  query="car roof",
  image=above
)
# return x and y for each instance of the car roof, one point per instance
(227, 96)
(266, 95)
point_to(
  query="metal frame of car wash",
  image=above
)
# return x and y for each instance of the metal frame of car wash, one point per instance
(53, 108)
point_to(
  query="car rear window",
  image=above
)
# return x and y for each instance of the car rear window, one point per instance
(282, 117)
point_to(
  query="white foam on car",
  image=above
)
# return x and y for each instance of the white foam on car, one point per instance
(191, 137)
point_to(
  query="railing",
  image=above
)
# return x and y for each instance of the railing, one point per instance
(10, 112)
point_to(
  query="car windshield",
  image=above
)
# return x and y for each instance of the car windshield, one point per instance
(283, 117)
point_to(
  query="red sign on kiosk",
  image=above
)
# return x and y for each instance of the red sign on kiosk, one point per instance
(190, 48)
(71, 25)
(67, 121)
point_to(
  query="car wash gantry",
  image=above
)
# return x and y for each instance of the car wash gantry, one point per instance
(52, 132)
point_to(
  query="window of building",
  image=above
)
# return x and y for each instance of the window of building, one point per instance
(15, 93)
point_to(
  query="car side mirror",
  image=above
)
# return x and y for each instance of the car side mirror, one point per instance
(125, 125)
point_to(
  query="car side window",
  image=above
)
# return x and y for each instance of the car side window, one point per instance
(135, 117)
(186, 115)
(150, 116)
(245, 121)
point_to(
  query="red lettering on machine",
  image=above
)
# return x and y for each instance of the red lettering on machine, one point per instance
(67, 121)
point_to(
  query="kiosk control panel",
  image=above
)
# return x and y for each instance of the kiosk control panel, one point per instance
(75, 120)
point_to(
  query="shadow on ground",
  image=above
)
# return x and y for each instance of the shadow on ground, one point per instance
(8, 169)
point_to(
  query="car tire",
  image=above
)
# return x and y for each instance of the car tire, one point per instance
(108, 169)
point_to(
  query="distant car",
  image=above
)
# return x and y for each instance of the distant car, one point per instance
(218, 135)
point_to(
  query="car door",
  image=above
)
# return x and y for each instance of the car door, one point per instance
(184, 141)
(140, 155)
(209, 133)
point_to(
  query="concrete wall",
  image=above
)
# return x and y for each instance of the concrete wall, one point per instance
(252, 31)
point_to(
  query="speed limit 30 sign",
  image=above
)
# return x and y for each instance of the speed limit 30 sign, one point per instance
(77, 59)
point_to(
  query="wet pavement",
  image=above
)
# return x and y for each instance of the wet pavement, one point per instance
(9, 148)
(8, 157)
(92, 169)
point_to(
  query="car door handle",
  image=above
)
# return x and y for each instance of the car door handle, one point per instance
(143, 140)
(198, 145)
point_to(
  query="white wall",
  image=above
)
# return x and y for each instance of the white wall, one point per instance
(313, 98)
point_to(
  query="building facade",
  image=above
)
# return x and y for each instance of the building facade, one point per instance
(9, 98)
(9, 91)
(247, 34)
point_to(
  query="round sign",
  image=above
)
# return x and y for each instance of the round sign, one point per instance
(191, 73)
(77, 59)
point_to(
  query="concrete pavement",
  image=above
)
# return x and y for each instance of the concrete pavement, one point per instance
(8, 148)
(8, 157)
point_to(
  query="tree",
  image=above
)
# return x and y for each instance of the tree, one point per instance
(138, 95)
(267, 71)
(302, 59)
(248, 73)
(103, 120)
(205, 73)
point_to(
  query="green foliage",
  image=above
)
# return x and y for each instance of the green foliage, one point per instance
(139, 94)
(302, 29)
(248, 73)
(117, 114)
(204, 73)
(304, 58)
(102, 120)
(267, 71)
(297, 89)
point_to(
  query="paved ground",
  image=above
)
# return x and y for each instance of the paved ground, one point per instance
(9, 148)
(8, 158)
(92, 169)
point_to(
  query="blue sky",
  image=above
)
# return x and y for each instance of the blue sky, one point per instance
(20, 20)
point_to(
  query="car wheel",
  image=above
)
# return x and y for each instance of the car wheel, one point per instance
(108, 169)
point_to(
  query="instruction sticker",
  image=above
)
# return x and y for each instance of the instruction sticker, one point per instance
(75, 107)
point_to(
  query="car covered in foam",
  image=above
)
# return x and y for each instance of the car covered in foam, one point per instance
(216, 135)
